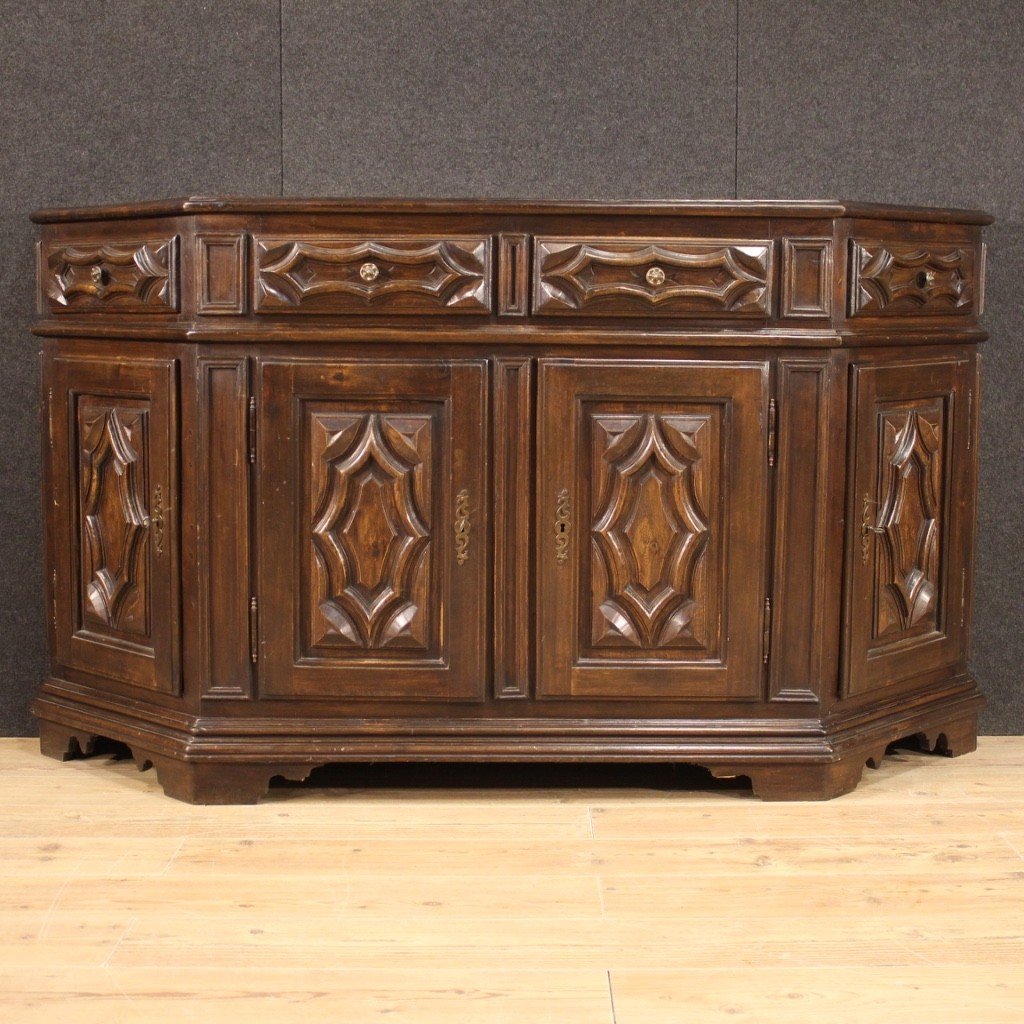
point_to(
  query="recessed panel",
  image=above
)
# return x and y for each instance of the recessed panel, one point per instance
(655, 505)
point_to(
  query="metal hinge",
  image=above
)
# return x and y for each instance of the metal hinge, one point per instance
(766, 636)
(49, 416)
(773, 416)
(254, 629)
(252, 431)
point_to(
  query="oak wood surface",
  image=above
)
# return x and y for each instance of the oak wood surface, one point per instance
(570, 895)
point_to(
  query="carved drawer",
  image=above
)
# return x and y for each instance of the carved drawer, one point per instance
(652, 277)
(887, 279)
(319, 274)
(131, 276)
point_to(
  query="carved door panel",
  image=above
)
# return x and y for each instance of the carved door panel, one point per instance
(651, 529)
(374, 547)
(113, 512)
(909, 542)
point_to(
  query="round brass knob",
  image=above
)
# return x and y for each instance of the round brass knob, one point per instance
(369, 271)
(655, 277)
(926, 279)
(98, 275)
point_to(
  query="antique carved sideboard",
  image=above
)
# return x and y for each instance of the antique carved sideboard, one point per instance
(347, 480)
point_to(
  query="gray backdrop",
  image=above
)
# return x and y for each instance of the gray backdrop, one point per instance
(917, 102)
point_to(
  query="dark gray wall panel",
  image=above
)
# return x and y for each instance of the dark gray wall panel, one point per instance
(920, 103)
(513, 98)
(104, 102)
(907, 101)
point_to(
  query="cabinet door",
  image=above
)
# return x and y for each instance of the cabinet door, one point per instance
(651, 529)
(373, 541)
(910, 531)
(113, 513)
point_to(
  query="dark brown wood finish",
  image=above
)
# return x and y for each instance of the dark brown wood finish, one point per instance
(523, 481)
(374, 554)
(651, 515)
(113, 519)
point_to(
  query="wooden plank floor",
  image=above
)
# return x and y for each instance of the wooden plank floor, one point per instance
(476, 902)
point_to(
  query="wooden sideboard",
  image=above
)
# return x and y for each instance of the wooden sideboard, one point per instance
(346, 480)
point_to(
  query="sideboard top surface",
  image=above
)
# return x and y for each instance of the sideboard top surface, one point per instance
(815, 208)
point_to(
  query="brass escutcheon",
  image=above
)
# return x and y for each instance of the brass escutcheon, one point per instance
(462, 526)
(563, 524)
(867, 528)
(156, 520)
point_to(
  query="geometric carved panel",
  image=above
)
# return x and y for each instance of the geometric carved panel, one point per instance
(650, 530)
(928, 278)
(908, 560)
(359, 275)
(132, 277)
(652, 277)
(112, 464)
(371, 530)
(373, 482)
(909, 518)
(113, 516)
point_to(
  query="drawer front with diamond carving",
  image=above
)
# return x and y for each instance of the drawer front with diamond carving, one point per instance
(318, 274)
(652, 277)
(891, 280)
(138, 276)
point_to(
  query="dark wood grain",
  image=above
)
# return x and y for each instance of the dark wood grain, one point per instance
(696, 481)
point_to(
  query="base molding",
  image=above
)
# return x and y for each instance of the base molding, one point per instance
(785, 759)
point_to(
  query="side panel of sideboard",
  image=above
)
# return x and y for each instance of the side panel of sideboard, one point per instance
(910, 530)
(113, 513)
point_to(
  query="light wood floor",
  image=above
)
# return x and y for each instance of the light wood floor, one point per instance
(603, 905)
